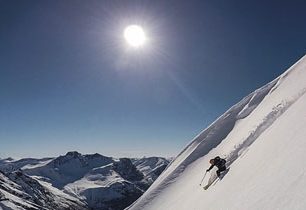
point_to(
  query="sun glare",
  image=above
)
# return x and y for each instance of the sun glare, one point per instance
(134, 35)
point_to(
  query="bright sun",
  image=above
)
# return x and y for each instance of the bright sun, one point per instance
(134, 35)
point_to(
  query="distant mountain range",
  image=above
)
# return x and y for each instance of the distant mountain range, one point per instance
(76, 181)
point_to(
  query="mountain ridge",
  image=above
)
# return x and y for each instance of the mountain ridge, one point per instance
(92, 181)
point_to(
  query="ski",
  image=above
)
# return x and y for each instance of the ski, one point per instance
(209, 184)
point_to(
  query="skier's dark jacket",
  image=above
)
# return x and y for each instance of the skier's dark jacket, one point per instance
(219, 163)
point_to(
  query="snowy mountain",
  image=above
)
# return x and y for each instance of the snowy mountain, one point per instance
(90, 181)
(68, 168)
(263, 139)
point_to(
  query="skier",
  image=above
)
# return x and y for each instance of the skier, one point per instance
(219, 163)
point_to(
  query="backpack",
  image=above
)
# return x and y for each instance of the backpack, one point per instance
(220, 161)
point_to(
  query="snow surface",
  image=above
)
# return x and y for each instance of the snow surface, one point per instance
(263, 138)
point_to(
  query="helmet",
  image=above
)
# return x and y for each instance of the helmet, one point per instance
(211, 161)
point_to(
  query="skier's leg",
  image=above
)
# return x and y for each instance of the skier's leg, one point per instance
(218, 172)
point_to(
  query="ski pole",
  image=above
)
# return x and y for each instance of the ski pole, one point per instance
(203, 178)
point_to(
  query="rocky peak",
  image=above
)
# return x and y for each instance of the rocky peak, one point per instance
(127, 170)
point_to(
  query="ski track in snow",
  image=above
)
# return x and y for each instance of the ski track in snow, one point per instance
(267, 122)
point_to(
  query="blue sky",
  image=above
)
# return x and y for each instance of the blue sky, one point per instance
(69, 82)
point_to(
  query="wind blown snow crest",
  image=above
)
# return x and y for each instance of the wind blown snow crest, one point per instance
(209, 138)
(231, 136)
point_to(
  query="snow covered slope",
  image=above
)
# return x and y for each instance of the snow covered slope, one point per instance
(19, 191)
(263, 138)
(112, 186)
